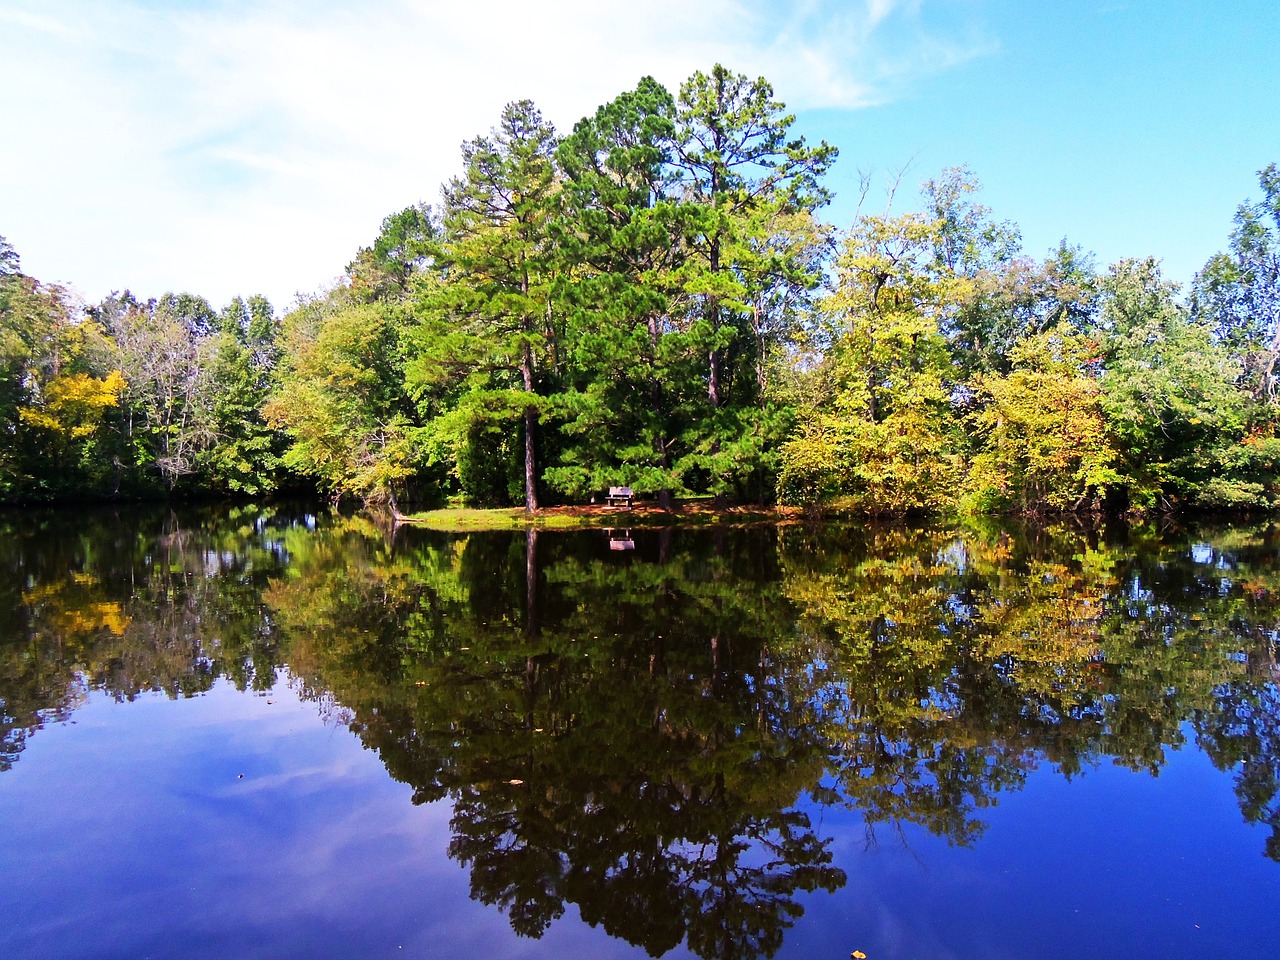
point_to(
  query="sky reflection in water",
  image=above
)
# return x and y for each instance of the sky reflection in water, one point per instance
(726, 744)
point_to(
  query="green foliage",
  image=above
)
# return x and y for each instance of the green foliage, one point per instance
(488, 319)
(653, 301)
(404, 247)
(1170, 396)
(245, 457)
(642, 292)
(742, 176)
(1238, 293)
(340, 399)
(632, 375)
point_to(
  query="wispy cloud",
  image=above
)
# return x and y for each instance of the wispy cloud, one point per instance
(229, 145)
(36, 22)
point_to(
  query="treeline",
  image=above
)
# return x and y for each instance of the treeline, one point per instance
(654, 300)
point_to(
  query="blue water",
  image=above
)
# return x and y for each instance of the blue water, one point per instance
(187, 814)
(235, 824)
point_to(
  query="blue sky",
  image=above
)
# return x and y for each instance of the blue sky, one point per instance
(242, 146)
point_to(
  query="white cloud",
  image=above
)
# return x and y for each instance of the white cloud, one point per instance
(231, 146)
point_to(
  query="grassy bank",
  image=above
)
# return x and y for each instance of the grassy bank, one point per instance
(569, 518)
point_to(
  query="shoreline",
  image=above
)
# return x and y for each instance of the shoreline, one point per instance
(597, 516)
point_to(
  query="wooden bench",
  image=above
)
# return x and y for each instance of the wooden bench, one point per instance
(620, 495)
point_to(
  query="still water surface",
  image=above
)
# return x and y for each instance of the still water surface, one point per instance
(262, 732)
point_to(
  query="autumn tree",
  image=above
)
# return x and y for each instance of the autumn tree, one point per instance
(881, 430)
(60, 387)
(1041, 433)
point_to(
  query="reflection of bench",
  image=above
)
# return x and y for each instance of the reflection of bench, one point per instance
(620, 540)
(621, 495)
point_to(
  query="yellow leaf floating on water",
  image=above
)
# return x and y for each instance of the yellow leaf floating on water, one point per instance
(858, 955)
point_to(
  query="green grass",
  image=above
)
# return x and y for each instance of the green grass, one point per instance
(463, 519)
(501, 518)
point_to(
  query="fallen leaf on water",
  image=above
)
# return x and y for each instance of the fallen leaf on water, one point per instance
(858, 955)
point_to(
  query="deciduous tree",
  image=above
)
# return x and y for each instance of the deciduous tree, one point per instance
(881, 431)
(1041, 430)
(341, 399)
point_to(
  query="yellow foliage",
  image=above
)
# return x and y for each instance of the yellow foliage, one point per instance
(1044, 434)
(75, 403)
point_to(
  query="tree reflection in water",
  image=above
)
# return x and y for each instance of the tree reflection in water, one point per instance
(641, 734)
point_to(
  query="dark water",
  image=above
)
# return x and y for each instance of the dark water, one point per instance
(263, 733)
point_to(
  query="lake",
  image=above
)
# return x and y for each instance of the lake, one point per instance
(278, 732)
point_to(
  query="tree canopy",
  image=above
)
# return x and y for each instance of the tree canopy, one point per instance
(653, 299)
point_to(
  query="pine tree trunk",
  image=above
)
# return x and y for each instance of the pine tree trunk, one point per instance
(659, 445)
(530, 477)
(526, 370)
(530, 414)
